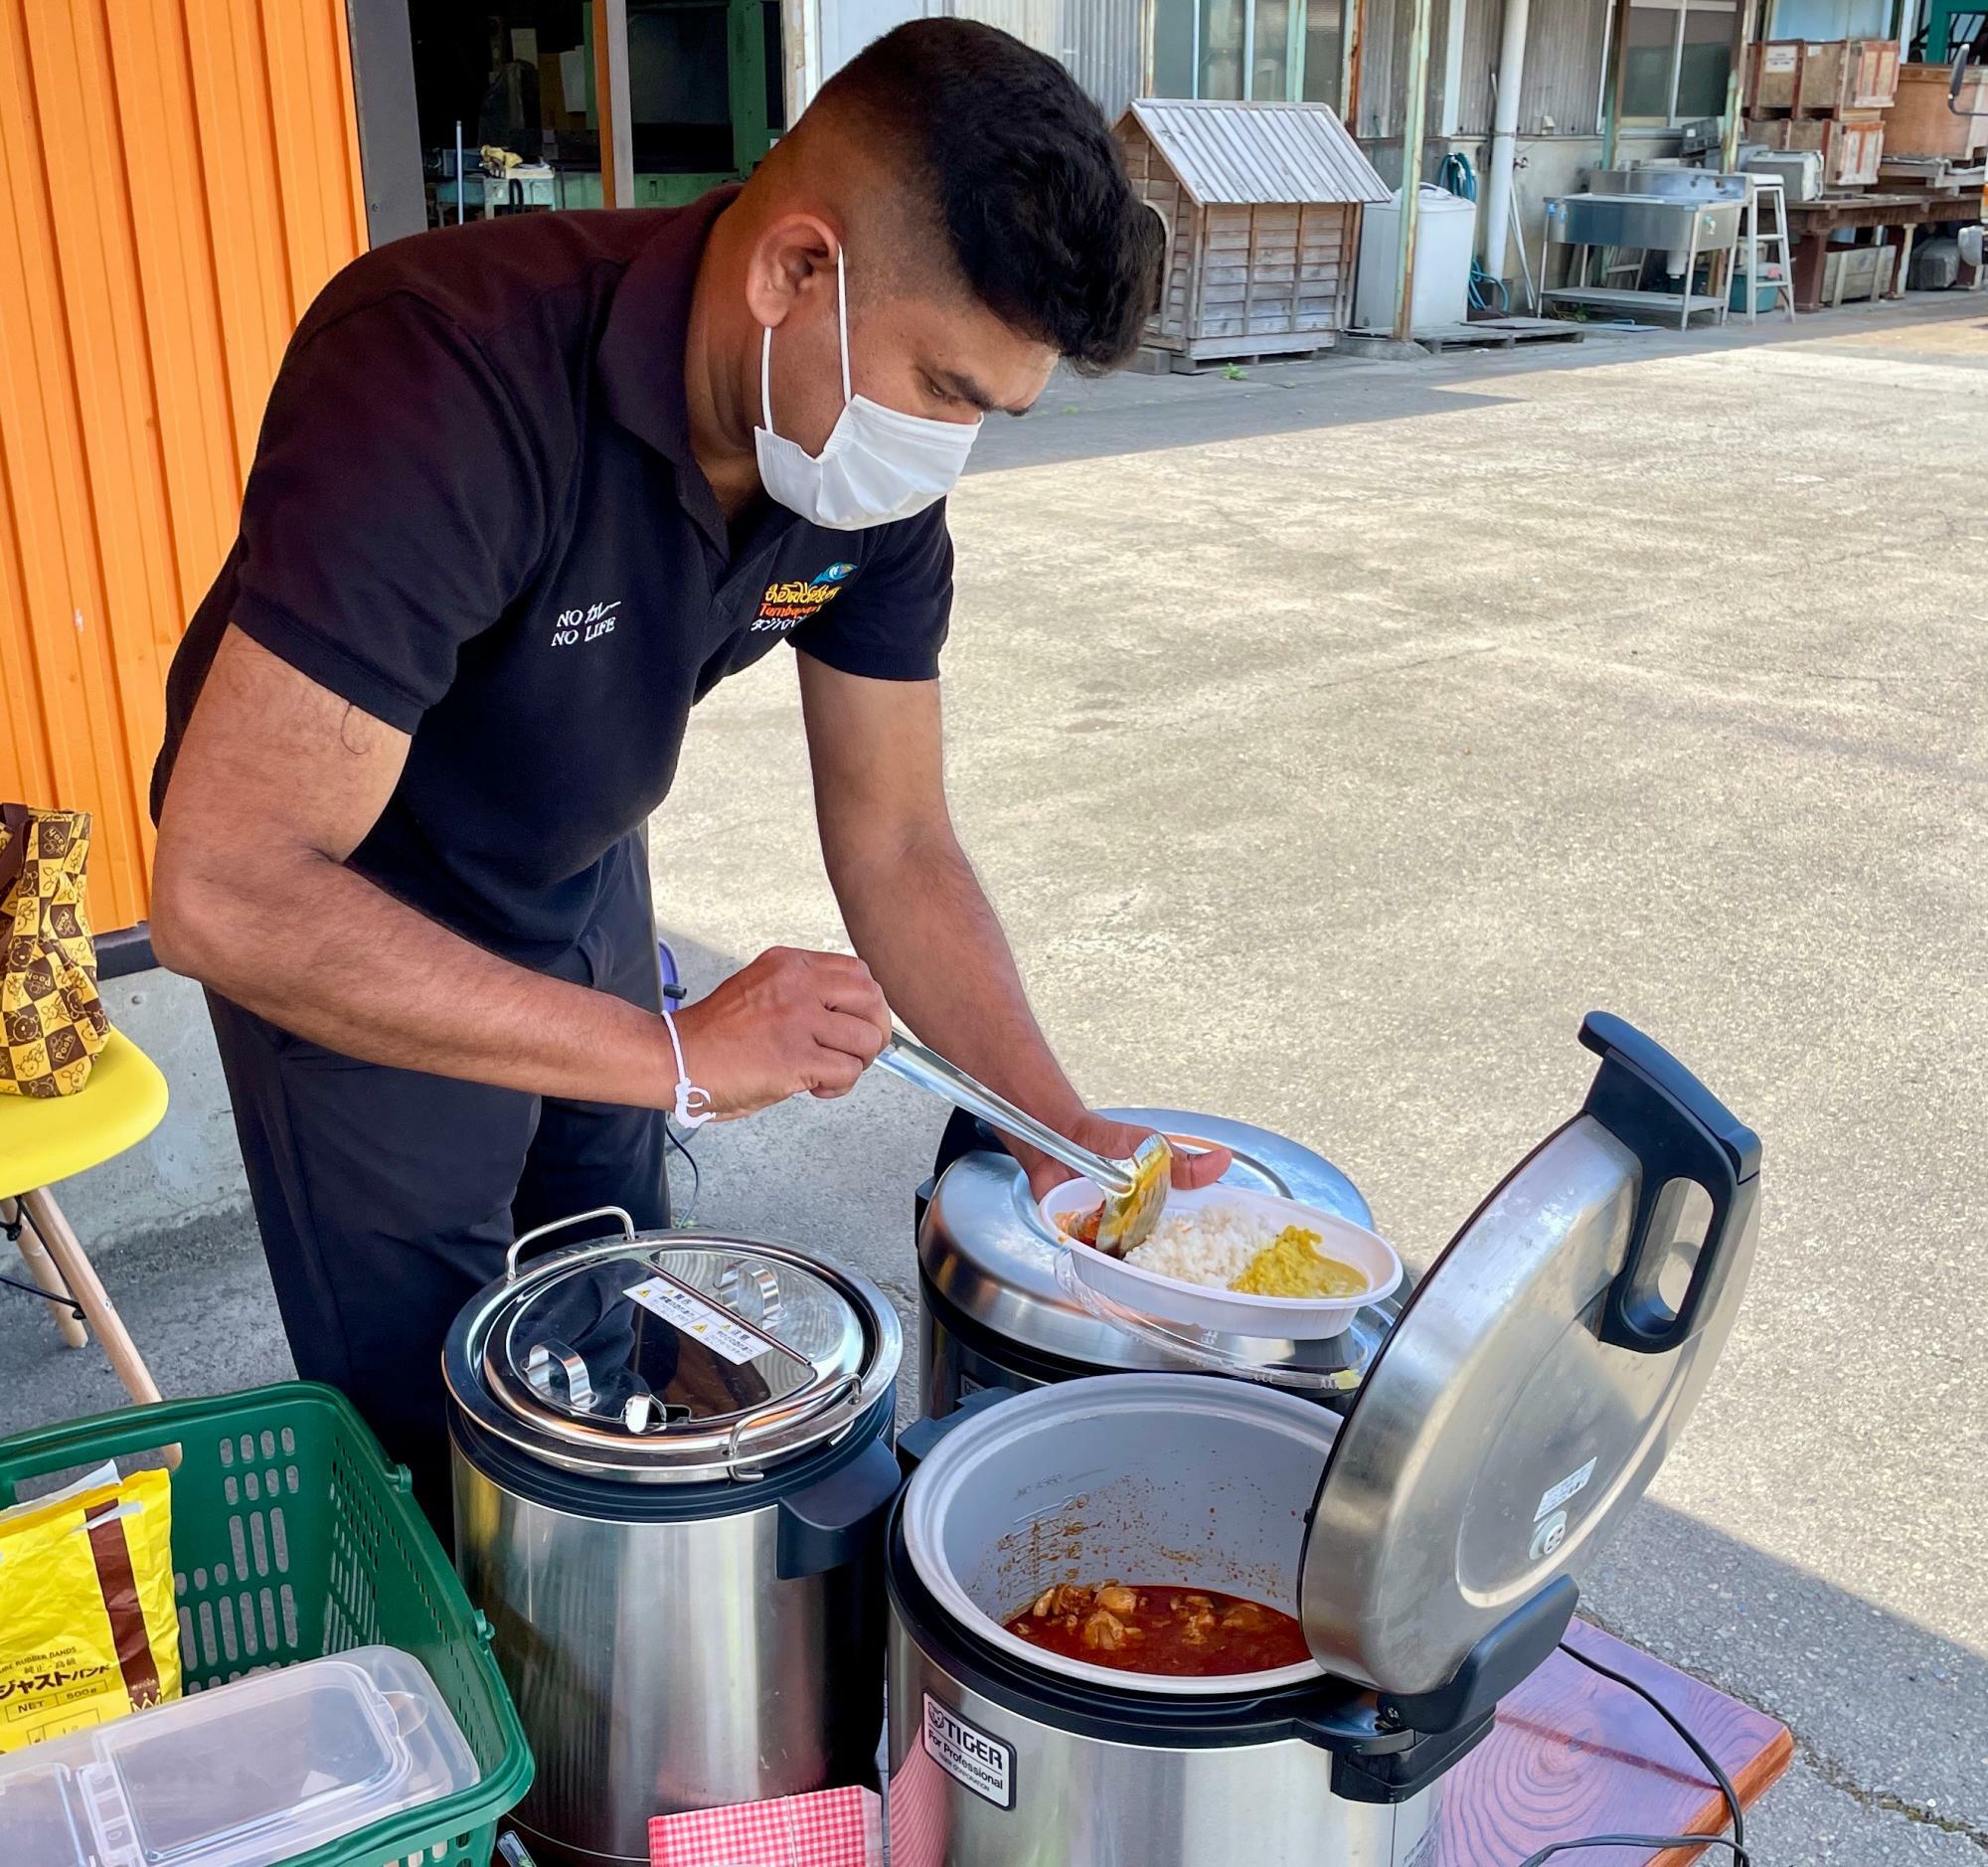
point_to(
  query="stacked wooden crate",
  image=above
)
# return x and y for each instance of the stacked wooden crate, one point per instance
(1919, 123)
(1829, 97)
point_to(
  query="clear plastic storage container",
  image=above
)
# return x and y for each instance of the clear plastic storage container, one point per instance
(262, 1770)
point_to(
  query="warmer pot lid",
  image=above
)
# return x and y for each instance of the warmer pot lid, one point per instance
(1537, 1376)
(671, 1356)
(988, 1253)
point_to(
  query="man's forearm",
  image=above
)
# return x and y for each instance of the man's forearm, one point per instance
(319, 950)
(926, 930)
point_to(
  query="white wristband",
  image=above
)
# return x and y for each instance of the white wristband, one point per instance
(693, 1107)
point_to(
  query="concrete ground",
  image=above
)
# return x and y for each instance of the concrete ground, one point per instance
(1332, 739)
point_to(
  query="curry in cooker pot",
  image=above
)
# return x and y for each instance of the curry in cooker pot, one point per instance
(1181, 1631)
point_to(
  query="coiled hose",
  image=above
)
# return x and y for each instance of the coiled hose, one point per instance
(1460, 179)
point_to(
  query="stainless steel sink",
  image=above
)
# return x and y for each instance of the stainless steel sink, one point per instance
(1674, 184)
(1662, 223)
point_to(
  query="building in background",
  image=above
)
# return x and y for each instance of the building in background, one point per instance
(182, 176)
(1674, 68)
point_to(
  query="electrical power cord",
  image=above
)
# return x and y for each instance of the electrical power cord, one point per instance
(1739, 1855)
(1735, 1841)
(675, 993)
(689, 1219)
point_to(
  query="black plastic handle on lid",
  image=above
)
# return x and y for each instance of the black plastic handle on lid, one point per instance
(915, 1443)
(1678, 1131)
(964, 1134)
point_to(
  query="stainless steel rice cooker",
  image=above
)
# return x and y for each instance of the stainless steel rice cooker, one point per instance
(1517, 1411)
(992, 1311)
(672, 1458)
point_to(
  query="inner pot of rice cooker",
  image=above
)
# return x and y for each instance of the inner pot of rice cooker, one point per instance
(1426, 1541)
(672, 1465)
(994, 1312)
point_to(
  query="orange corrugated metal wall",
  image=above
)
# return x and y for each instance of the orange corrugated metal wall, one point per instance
(177, 179)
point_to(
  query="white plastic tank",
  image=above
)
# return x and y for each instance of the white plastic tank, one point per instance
(1446, 237)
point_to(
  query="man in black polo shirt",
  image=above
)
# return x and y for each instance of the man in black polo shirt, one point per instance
(525, 492)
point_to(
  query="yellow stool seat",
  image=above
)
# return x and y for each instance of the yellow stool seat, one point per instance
(43, 1143)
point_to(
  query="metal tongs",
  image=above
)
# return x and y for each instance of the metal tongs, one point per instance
(1135, 1190)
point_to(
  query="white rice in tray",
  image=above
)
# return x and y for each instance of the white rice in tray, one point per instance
(1213, 1246)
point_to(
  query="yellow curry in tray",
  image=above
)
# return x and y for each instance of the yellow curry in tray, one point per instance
(1293, 1265)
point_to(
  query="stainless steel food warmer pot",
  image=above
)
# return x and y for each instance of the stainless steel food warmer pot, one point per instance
(1426, 1539)
(992, 1311)
(672, 1461)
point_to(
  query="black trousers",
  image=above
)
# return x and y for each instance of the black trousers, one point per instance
(386, 1197)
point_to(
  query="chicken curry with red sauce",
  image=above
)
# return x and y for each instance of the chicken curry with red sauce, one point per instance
(1182, 1631)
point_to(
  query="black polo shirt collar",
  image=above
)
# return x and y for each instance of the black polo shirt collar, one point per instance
(640, 361)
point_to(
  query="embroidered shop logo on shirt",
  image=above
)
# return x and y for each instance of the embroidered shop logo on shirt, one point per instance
(584, 625)
(786, 604)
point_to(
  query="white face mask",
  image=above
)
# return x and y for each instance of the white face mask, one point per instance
(878, 463)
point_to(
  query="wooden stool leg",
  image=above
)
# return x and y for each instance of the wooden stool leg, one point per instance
(88, 1288)
(73, 1333)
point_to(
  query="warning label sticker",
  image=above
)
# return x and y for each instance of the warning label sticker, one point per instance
(1568, 1487)
(691, 1315)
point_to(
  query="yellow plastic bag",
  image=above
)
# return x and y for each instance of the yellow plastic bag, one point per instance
(88, 1624)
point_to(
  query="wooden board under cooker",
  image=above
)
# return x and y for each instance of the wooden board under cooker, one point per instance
(1576, 1754)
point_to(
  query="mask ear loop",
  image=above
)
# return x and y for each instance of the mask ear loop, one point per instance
(842, 322)
(841, 338)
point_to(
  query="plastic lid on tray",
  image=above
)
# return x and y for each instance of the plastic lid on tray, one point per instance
(1131, 1284)
(1332, 1366)
(260, 1770)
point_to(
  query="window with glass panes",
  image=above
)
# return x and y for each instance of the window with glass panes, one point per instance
(1279, 51)
(1675, 59)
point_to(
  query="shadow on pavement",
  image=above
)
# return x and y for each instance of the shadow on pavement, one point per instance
(1882, 1707)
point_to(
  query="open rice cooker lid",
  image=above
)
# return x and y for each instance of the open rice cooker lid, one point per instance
(987, 1251)
(1537, 1376)
(670, 1357)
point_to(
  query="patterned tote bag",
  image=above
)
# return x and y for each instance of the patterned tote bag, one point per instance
(52, 1020)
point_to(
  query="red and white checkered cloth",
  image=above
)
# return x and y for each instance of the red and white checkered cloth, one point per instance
(921, 1816)
(830, 1829)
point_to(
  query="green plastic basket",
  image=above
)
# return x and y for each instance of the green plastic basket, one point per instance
(294, 1538)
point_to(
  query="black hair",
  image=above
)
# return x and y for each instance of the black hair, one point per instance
(1023, 171)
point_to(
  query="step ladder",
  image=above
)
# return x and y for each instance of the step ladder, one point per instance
(1767, 256)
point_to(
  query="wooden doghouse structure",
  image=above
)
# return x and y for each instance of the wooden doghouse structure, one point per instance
(1261, 206)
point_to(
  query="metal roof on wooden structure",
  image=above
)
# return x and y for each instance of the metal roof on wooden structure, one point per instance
(1236, 154)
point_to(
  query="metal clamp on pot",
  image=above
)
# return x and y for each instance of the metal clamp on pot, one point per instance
(1426, 1542)
(673, 1466)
